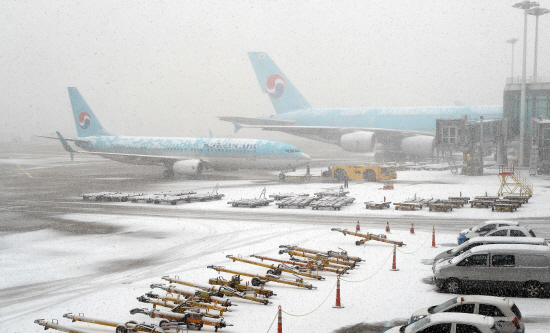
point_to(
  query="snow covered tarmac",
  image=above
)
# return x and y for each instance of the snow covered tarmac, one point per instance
(102, 275)
(61, 254)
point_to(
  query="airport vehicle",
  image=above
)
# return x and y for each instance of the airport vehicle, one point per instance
(503, 310)
(235, 283)
(367, 237)
(222, 290)
(398, 131)
(330, 253)
(279, 269)
(511, 231)
(477, 241)
(193, 321)
(178, 302)
(204, 296)
(483, 229)
(370, 173)
(54, 324)
(120, 327)
(450, 323)
(323, 258)
(492, 267)
(309, 265)
(186, 156)
(258, 280)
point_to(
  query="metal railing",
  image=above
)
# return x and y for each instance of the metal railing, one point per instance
(528, 79)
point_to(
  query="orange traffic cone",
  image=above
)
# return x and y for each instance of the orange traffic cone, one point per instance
(412, 228)
(357, 227)
(280, 325)
(387, 226)
(338, 304)
(394, 264)
(433, 237)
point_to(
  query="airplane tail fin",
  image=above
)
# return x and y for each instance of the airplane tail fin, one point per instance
(284, 96)
(85, 120)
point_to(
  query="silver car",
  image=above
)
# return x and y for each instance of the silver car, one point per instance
(450, 323)
(503, 310)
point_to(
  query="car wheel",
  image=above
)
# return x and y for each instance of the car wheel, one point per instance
(452, 286)
(532, 289)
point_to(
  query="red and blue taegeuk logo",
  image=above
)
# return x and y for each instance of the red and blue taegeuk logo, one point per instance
(84, 120)
(275, 85)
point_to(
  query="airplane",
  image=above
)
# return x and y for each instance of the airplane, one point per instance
(179, 155)
(396, 131)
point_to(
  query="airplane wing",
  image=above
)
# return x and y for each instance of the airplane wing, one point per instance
(331, 134)
(127, 157)
(259, 121)
(57, 138)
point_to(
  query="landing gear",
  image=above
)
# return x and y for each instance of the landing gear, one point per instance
(168, 173)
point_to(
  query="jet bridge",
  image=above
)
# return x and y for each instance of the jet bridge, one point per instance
(539, 162)
(476, 139)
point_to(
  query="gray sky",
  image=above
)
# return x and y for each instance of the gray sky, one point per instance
(169, 68)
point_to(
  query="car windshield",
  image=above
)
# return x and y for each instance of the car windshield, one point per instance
(417, 325)
(458, 248)
(444, 306)
(459, 258)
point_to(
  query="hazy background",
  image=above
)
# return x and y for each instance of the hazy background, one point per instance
(169, 68)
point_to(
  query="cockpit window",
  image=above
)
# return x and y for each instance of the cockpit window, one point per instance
(291, 151)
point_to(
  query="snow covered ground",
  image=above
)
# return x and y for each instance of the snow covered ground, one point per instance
(47, 273)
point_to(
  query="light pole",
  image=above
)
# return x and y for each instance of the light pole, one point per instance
(512, 41)
(537, 11)
(525, 5)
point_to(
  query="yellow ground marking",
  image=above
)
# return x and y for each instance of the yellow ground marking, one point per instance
(21, 168)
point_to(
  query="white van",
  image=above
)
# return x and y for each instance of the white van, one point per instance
(490, 267)
(477, 241)
(483, 228)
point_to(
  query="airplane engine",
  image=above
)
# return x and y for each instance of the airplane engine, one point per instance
(358, 142)
(189, 167)
(421, 145)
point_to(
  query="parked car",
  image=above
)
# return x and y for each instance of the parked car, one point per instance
(477, 241)
(503, 310)
(492, 267)
(450, 323)
(512, 231)
(483, 228)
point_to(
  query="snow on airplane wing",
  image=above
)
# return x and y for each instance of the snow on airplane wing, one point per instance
(330, 134)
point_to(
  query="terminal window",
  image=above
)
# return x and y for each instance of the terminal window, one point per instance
(449, 134)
